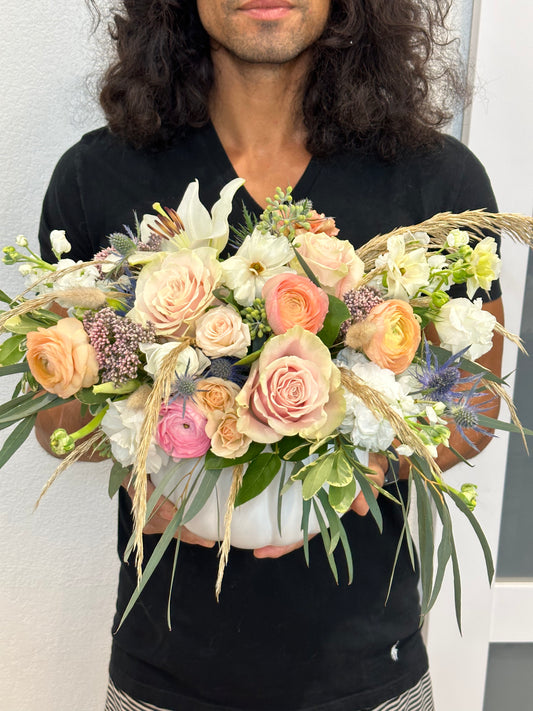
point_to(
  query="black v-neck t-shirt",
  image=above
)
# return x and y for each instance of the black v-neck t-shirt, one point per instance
(283, 637)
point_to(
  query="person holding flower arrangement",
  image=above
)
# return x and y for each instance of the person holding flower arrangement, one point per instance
(329, 96)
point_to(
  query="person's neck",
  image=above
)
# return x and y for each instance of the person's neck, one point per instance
(256, 112)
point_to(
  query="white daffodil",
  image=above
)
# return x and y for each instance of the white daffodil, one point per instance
(201, 229)
(406, 271)
(191, 360)
(258, 258)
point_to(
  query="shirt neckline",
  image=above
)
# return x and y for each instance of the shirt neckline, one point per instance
(300, 190)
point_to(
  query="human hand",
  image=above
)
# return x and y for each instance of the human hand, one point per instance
(164, 511)
(379, 464)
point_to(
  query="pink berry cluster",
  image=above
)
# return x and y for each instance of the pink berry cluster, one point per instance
(360, 303)
(116, 341)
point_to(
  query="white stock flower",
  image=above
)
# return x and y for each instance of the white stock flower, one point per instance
(463, 323)
(406, 271)
(191, 360)
(59, 242)
(86, 277)
(258, 258)
(122, 425)
(364, 428)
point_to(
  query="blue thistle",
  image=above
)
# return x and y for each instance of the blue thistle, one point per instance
(465, 411)
(438, 381)
(227, 369)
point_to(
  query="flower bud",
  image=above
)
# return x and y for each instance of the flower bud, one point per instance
(61, 442)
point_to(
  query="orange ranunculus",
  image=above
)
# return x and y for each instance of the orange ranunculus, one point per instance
(293, 300)
(61, 358)
(395, 337)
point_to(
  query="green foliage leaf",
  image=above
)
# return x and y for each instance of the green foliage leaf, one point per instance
(341, 497)
(10, 350)
(342, 471)
(258, 476)
(280, 495)
(16, 439)
(15, 368)
(307, 269)
(293, 449)
(24, 406)
(491, 423)
(116, 476)
(249, 359)
(456, 587)
(338, 313)
(88, 397)
(207, 484)
(368, 493)
(333, 520)
(468, 365)
(425, 536)
(315, 475)
(445, 546)
(489, 563)
(214, 462)
(5, 298)
(26, 323)
(306, 510)
(327, 541)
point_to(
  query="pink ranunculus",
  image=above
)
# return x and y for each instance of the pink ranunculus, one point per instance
(333, 261)
(293, 388)
(293, 300)
(174, 288)
(182, 433)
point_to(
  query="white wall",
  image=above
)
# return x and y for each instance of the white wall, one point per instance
(59, 567)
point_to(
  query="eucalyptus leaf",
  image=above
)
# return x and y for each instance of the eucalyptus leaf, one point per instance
(347, 552)
(207, 484)
(444, 550)
(259, 474)
(456, 587)
(280, 494)
(172, 576)
(465, 364)
(327, 541)
(307, 269)
(33, 405)
(368, 493)
(14, 369)
(333, 520)
(16, 439)
(152, 563)
(306, 510)
(491, 423)
(116, 476)
(425, 537)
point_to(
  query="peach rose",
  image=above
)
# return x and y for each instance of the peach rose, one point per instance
(333, 262)
(293, 388)
(61, 358)
(222, 332)
(226, 440)
(293, 300)
(395, 335)
(174, 288)
(215, 395)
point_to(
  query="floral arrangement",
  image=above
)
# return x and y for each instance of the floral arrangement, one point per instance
(265, 376)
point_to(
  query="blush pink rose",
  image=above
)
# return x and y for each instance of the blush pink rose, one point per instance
(293, 388)
(182, 434)
(333, 261)
(293, 300)
(175, 288)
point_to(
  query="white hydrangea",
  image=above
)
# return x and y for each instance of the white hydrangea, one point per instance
(122, 425)
(364, 428)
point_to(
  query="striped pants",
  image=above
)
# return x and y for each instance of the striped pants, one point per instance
(418, 698)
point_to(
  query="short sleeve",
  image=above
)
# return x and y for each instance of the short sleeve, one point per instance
(63, 209)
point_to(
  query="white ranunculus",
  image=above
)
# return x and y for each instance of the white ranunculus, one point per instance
(463, 323)
(258, 258)
(59, 242)
(122, 425)
(406, 271)
(191, 360)
(366, 430)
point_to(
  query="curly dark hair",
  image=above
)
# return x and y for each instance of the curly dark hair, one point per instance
(381, 77)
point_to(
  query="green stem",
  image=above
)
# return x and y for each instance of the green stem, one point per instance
(90, 426)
